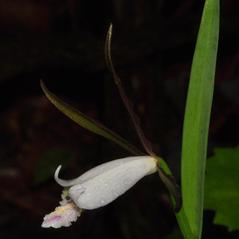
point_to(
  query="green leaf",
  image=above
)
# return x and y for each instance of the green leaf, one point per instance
(88, 123)
(221, 187)
(184, 224)
(197, 116)
(48, 163)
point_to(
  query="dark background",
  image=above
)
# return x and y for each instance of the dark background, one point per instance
(62, 42)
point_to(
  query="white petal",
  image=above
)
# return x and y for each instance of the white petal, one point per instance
(94, 171)
(106, 182)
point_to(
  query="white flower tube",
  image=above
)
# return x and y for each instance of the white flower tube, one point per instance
(106, 182)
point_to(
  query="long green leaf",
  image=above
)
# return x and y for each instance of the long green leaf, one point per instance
(197, 117)
(88, 123)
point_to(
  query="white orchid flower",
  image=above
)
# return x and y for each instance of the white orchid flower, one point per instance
(98, 187)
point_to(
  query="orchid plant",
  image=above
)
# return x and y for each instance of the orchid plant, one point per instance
(106, 182)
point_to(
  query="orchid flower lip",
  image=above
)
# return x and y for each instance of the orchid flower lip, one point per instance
(62, 216)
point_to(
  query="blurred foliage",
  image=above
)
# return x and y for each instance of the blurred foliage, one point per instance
(48, 162)
(221, 189)
(175, 234)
